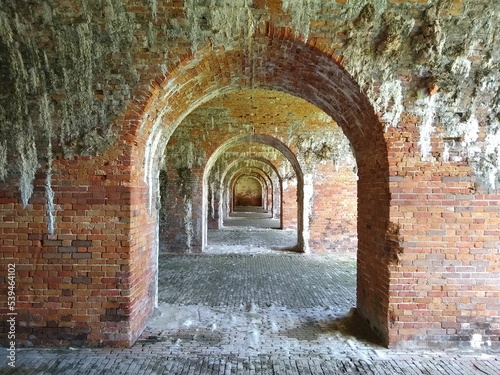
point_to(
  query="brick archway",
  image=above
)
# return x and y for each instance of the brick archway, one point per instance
(254, 194)
(283, 63)
(271, 173)
(261, 178)
(302, 230)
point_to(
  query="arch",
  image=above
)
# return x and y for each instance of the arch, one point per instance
(217, 196)
(286, 152)
(277, 188)
(277, 192)
(252, 200)
(251, 173)
(151, 119)
(256, 173)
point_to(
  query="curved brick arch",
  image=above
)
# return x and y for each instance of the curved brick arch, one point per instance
(253, 175)
(266, 162)
(286, 152)
(253, 172)
(240, 171)
(277, 190)
(256, 138)
(287, 64)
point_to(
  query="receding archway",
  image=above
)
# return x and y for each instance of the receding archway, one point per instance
(283, 149)
(248, 190)
(267, 168)
(249, 187)
(324, 83)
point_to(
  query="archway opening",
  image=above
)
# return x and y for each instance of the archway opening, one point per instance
(324, 84)
(248, 191)
(225, 168)
(263, 162)
(251, 197)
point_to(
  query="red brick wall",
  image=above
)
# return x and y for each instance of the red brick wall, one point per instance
(427, 231)
(334, 210)
(78, 286)
(290, 207)
(132, 299)
(444, 276)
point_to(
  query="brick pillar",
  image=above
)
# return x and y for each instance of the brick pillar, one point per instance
(289, 205)
(213, 211)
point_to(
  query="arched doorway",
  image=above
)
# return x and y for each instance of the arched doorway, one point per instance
(251, 187)
(302, 231)
(221, 200)
(249, 191)
(322, 82)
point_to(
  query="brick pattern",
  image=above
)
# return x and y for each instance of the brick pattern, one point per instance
(334, 210)
(445, 283)
(290, 205)
(72, 286)
(427, 235)
(156, 362)
(139, 251)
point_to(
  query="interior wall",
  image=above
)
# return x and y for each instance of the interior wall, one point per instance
(334, 209)
(248, 192)
(290, 203)
(89, 107)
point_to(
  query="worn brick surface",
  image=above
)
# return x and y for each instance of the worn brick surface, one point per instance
(210, 331)
(427, 226)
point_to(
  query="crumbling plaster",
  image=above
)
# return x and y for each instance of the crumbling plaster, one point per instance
(436, 48)
(53, 100)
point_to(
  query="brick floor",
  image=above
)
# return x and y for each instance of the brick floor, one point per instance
(289, 280)
(266, 313)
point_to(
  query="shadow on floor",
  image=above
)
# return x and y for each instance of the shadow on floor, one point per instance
(351, 325)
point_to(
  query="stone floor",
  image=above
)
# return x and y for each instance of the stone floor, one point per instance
(250, 230)
(256, 217)
(255, 312)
